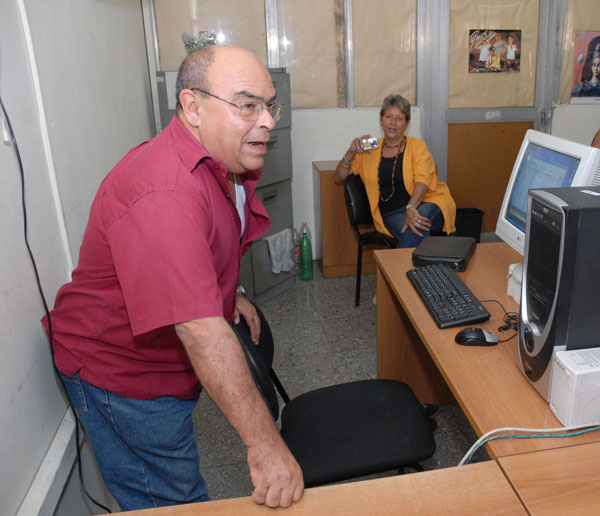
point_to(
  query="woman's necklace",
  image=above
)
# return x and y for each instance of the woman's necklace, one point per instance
(401, 147)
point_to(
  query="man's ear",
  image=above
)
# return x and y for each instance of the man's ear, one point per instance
(190, 107)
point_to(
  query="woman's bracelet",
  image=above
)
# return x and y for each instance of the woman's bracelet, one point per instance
(348, 161)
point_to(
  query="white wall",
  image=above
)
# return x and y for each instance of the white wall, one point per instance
(576, 122)
(87, 61)
(323, 135)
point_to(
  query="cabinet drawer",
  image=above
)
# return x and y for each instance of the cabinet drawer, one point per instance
(278, 161)
(277, 200)
(281, 82)
(264, 279)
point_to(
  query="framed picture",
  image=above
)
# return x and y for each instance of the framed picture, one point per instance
(586, 68)
(492, 51)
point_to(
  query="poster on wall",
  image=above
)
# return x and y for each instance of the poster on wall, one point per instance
(586, 69)
(492, 50)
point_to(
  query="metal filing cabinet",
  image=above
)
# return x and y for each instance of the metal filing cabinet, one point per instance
(275, 192)
(274, 188)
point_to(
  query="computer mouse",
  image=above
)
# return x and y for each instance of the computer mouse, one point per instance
(476, 337)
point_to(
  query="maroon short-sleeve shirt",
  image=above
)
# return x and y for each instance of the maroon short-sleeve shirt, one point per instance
(162, 246)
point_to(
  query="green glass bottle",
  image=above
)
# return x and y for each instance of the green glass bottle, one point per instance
(306, 266)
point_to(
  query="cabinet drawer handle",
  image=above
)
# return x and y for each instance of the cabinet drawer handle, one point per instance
(270, 197)
(272, 143)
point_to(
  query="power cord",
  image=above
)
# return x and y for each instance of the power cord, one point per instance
(13, 139)
(535, 434)
(510, 319)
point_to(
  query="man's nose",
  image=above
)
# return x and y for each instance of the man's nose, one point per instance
(266, 119)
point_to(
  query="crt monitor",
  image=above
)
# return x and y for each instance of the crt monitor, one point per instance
(544, 161)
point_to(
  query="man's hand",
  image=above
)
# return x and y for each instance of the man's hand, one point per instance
(244, 307)
(276, 476)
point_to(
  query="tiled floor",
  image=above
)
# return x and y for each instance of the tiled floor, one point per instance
(321, 339)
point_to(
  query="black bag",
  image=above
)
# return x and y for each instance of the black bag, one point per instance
(454, 251)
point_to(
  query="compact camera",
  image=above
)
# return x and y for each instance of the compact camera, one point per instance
(369, 144)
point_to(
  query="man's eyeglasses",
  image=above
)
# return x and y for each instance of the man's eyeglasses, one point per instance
(250, 111)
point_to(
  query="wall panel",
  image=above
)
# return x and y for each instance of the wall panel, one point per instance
(239, 23)
(502, 89)
(480, 160)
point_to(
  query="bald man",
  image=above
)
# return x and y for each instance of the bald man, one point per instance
(144, 323)
(596, 140)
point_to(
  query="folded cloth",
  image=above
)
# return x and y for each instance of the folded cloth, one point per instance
(281, 248)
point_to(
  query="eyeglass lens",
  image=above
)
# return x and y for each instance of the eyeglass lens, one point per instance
(253, 110)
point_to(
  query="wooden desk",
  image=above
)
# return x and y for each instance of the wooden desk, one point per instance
(560, 481)
(467, 490)
(340, 244)
(485, 381)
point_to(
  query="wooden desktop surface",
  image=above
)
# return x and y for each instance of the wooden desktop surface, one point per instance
(559, 481)
(485, 381)
(467, 490)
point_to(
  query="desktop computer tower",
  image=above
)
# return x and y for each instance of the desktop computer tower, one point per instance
(561, 279)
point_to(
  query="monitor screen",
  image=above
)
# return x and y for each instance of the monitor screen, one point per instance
(544, 161)
(540, 168)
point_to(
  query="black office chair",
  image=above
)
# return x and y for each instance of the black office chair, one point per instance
(359, 213)
(343, 431)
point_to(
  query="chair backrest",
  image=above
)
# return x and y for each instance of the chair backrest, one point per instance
(260, 359)
(357, 202)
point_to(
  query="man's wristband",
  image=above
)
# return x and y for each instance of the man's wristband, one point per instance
(240, 290)
(346, 159)
(409, 206)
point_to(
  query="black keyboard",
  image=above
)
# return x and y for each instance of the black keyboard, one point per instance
(447, 298)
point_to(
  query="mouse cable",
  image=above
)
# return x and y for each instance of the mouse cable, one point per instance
(511, 319)
(536, 433)
(43, 297)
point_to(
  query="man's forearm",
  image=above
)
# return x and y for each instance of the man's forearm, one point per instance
(220, 364)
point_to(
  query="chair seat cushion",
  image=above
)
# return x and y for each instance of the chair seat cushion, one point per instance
(321, 430)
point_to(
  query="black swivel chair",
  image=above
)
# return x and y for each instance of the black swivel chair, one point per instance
(359, 213)
(343, 431)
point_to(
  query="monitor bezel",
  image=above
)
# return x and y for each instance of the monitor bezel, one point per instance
(587, 174)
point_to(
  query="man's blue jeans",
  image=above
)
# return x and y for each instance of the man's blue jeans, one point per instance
(145, 448)
(394, 222)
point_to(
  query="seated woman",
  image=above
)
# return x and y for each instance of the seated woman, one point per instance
(400, 177)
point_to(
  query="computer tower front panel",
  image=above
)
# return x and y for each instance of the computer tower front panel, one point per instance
(560, 278)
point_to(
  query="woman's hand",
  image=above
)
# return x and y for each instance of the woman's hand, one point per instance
(416, 222)
(344, 167)
(356, 146)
